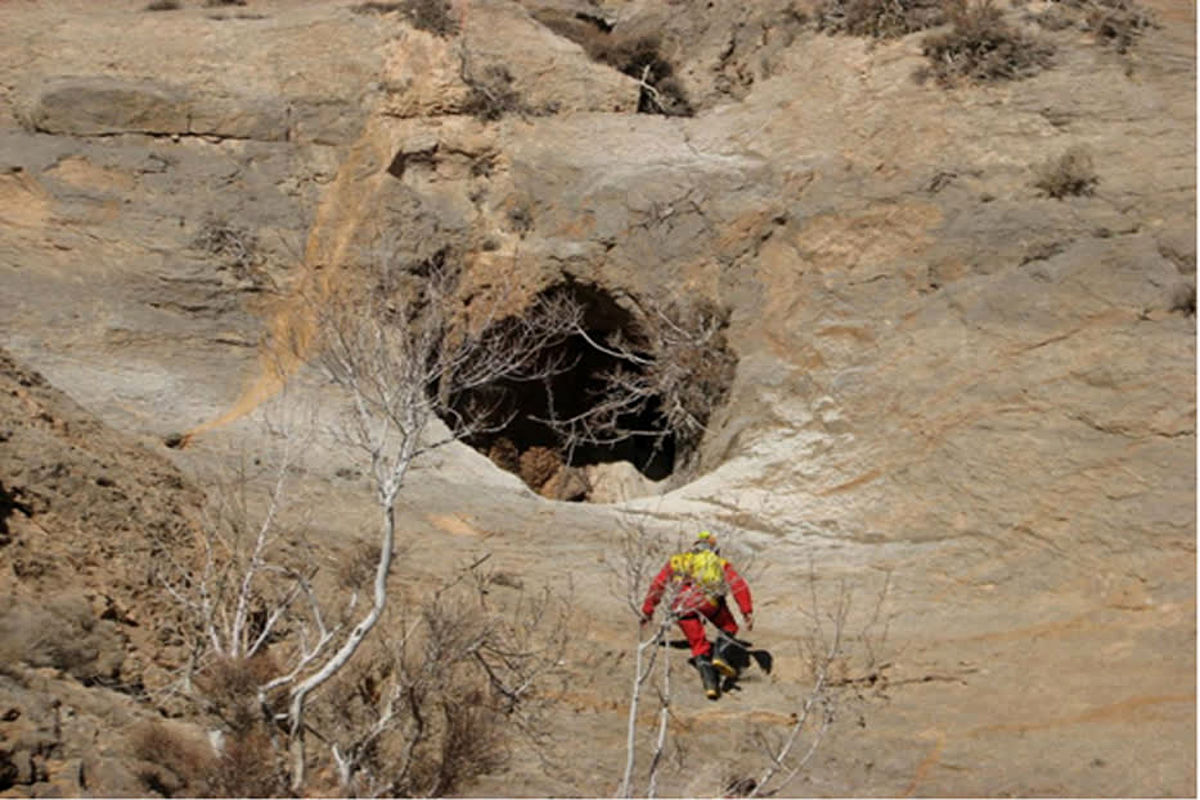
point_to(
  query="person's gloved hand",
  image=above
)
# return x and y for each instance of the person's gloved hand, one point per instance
(643, 620)
(749, 619)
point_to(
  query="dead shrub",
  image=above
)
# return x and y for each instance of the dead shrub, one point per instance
(665, 373)
(1113, 23)
(693, 366)
(246, 765)
(63, 634)
(981, 47)
(1071, 174)
(231, 688)
(434, 16)
(249, 766)
(234, 246)
(684, 370)
(492, 94)
(1117, 23)
(357, 568)
(190, 761)
(880, 19)
(639, 57)
(423, 715)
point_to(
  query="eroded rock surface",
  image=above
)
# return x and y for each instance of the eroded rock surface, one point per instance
(943, 375)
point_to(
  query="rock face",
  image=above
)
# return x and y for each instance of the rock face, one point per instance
(85, 627)
(944, 375)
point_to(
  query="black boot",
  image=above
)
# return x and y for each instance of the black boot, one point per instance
(708, 676)
(729, 657)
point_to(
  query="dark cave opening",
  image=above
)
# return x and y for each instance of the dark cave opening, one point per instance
(533, 437)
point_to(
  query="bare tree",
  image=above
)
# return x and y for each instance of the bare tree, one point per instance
(640, 555)
(827, 647)
(406, 347)
(426, 710)
(821, 648)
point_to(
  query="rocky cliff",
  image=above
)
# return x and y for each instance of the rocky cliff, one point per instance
(953, 328)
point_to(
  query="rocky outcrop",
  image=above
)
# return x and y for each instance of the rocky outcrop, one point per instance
(88, 637)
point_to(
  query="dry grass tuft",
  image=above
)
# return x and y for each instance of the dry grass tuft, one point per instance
(981, 48)
(1071, 174)
(880, 19)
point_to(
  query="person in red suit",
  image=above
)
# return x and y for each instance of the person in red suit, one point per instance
(696, 582)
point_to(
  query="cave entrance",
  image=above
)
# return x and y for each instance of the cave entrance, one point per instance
(557, 426)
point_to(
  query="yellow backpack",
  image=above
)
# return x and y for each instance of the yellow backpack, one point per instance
(704, 569)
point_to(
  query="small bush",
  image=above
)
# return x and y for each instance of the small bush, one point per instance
(189, 760)
(434, 16)
(236, 247)
(638, 57)
(63, 634)
(247, 765)
(504, 454)
(492, 95)
(1114, 23)
(231, 687)
(164, 5)
(357, 568)
(880, 19)
(1117, 23)
(982, 48)
(1070, 175)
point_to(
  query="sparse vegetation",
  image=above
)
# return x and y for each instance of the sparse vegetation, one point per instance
(1117, 23)
(164, 5)
(63, 634)
(1071, 174)
(434, 16)
(492, 94)
(1113, 23)
(981, 47)
(880, 19)
(642, 59)
(266, 634)
(235, 247)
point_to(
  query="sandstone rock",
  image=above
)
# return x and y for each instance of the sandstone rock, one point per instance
(538, 465)
(503, 36)
(101, 105)
(617, 482)
(569, 484)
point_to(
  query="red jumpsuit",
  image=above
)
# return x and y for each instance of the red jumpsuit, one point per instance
(691, 600)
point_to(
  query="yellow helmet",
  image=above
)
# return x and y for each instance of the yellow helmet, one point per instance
(705, 540)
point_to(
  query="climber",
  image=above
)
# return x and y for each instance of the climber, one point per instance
(698, 580)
